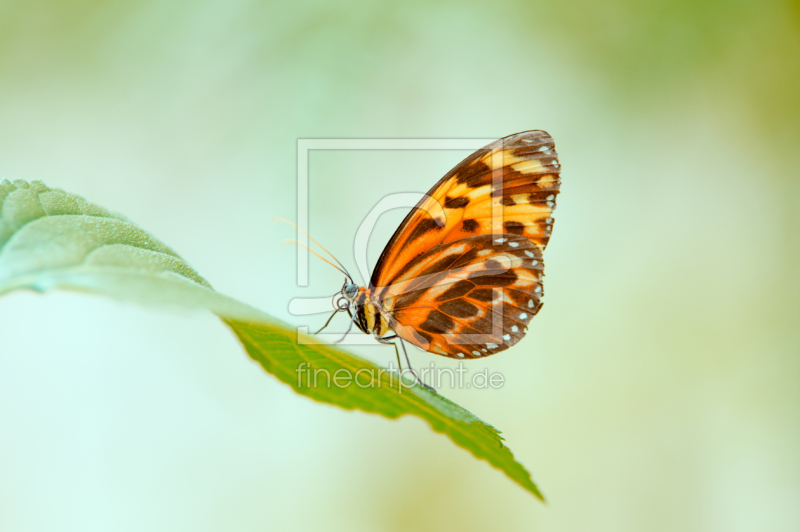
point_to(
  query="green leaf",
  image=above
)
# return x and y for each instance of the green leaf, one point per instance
(52, 239)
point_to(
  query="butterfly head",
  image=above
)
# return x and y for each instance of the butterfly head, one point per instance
(347, 296)
(350, 290)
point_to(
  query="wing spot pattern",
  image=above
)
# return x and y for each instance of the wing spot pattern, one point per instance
(437, 323)
(459, 289)
(474, 170)
(470, 226)
(459, 308)
(456, 203)
(424, 226)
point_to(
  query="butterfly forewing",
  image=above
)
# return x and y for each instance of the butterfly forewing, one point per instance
(510, 186)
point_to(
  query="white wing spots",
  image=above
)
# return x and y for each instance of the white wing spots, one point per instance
(525, 139)
(514, 328)
(523, 316)
(534, 263)
(492, 346)
(555, 163)
(545, 149)
(506, 337)
(530, 303)
(549, 220)
(460, 355)
(513, 244)
(476, 353)
(551, 197)
(538, 289)
(484, 252)
(529, 253)
(500, 240)
(550, 203)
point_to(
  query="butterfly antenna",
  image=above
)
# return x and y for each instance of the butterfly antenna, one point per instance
(343, 269)
(296, 243)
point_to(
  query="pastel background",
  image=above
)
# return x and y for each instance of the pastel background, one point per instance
(658, 389)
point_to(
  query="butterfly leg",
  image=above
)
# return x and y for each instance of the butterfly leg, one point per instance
(430, 388)
(385, 340)
(396, 351)
(329, 320)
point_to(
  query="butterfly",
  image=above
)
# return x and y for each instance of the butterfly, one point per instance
(462, 275)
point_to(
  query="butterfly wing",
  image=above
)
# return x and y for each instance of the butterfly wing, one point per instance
(509, 186)
(466, 299)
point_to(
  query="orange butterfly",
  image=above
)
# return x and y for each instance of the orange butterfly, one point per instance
(462, 275)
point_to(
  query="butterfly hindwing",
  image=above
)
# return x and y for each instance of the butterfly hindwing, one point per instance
(466, 299)
(509, 186)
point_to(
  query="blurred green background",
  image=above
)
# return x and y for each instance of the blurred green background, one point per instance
(658, 390)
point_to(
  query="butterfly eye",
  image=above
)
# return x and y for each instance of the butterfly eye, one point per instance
(350, 291)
